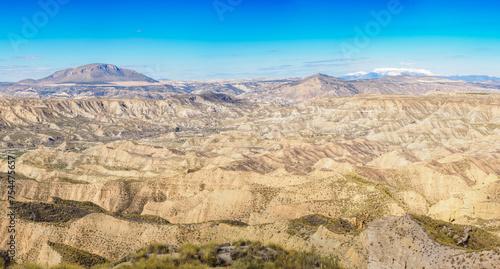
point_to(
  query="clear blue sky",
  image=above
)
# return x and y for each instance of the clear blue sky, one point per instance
(187, 39)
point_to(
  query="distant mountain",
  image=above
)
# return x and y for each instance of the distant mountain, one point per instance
(91, 82)
(303, 89)
(91, 73)
(472, 78)
(321, 85)
(391, 72)
(387, 72)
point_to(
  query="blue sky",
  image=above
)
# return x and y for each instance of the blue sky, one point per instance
(204, 39)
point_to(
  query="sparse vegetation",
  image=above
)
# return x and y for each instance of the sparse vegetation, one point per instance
(29, 265)
(265, 170)
(45, 212)
(66, 210)
(13, 153)
(232, 223)
(458, 236)
(385, 190)
(242, 254)
(307, 225)
(60, 166)
(66, 265)
(73, 255)
(140, 218)
(72, 181)
(117, 167)
(19, 176)
(357, 178)
(84, 205)
(263, 195)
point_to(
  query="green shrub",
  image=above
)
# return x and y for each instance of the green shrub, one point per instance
(152, 263)
(189, 251)
(157, 248)
(248, 263)
(207, 253)
(241, 242)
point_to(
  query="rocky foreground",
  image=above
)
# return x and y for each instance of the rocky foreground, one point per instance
(356, 177)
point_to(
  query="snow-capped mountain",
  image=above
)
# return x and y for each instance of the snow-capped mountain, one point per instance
(386, 72)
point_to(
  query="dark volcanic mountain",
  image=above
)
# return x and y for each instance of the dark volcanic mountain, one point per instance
(91, 73)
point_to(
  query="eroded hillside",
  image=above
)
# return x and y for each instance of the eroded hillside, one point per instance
(191, 160)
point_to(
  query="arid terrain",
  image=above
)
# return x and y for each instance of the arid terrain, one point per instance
(110, 81)
(378, 180)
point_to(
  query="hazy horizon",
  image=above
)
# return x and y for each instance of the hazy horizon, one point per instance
(238, 39)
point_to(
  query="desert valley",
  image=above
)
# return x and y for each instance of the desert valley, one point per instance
(393, 172)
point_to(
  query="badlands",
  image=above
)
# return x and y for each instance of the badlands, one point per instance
(115, 169)
(379, 181)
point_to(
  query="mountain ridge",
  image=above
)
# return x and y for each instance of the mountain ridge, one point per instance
(110, 81)
(414, 72)
(105, 73)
